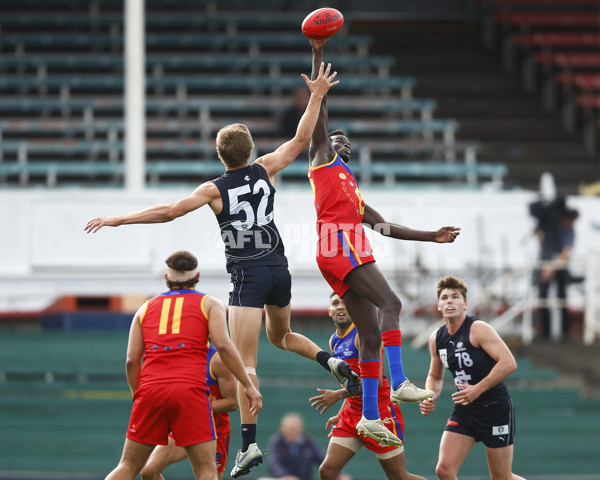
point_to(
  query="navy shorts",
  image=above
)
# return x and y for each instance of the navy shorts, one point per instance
(257, 286)
(490, 423)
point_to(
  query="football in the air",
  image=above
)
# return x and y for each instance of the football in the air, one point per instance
(322, 23)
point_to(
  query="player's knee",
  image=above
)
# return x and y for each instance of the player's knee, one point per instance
(393, 305)
(148, 474)
(444, 471)
(371, 338)
(278, 339)
(327, 471)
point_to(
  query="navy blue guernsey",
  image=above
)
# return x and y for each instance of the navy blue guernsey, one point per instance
(467, 363)
(247, 220)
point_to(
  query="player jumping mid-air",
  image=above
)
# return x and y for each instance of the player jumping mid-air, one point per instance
(346, 261)
(242, 200)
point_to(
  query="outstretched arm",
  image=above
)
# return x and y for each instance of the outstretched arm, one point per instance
(205, 193)
(286, 153)
(320, 151)
(375, 221)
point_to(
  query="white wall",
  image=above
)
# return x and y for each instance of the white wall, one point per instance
(45, 253)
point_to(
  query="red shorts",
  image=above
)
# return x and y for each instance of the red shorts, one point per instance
(160, 408)
(222, 453)
(389, 413)
(339, 253)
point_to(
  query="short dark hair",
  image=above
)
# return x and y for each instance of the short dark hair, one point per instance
(182, 261)
(453, 283)
(335, 133)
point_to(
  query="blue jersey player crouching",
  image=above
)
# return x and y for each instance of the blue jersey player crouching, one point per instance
(242, 201)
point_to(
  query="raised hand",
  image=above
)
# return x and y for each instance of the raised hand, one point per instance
(318, 44)
(323, 82)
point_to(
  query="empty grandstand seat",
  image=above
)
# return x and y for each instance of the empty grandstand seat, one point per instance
(253, 43)
(63, 94)
(214, 105)
(522, 45)
(273, 63)
(184, 84)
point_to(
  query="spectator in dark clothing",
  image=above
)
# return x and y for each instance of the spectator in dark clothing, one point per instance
(556, 244)
(292, 453)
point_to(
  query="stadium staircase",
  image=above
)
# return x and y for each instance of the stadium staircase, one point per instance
(65, 406)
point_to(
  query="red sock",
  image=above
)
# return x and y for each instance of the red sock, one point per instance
(391, 337)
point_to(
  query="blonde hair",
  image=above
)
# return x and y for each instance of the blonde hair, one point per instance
(234, 145)
(454, 283)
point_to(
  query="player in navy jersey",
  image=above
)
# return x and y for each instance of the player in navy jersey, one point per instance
(242, 201)
(347, 262)
(479, 361)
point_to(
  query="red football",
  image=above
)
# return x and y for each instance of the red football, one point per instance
(322, 23)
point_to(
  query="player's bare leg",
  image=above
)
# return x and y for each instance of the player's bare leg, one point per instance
(394, 465)
(280, 334)
(132, 461)
(245, 325)
(161, 458)
(336, 458)
(202, 458)
(454, 448)
(364, 315)
(369, 283)
(500, 463)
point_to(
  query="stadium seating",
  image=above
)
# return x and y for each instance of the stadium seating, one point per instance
(555, 45)
(272, 63)
(252, 43)
(62, 93)
(65, 407)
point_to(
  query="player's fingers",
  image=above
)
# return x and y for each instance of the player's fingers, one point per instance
(306, 79)
(332, 76)
(321, 68)
(328, 69)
